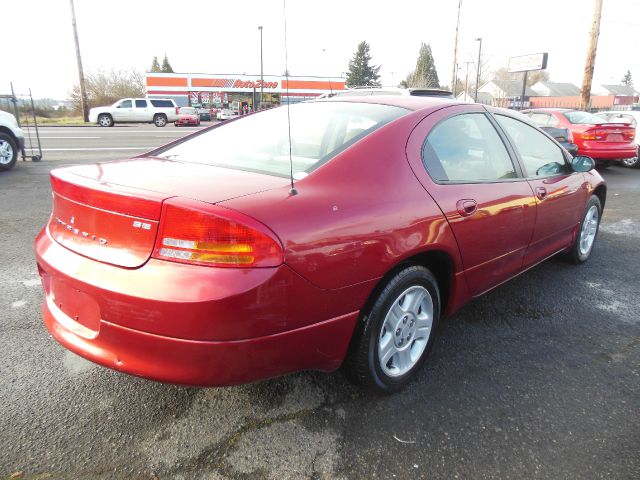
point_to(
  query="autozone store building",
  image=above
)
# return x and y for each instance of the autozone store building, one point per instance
(212, 90)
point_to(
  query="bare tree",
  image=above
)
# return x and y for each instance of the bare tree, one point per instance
(104, 88)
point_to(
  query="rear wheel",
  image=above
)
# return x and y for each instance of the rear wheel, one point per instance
(105, 120)
(586, 237)
(160, 120)
(395, 335)
(631, 162)
(8, 151)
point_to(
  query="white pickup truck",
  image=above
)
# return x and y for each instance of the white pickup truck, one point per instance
(158, 111)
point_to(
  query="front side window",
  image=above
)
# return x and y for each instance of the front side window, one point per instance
(466, 148)
(125, 104)
(541, 157)
(260, 142)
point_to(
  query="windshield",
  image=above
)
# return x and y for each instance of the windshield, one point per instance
(188, 111)
(259, 142)
(583, 117)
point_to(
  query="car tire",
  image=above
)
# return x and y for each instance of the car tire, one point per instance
(587, 233)
(631, 162)
(8, 152)
(393, 337)
(105, 120)
(160, 120)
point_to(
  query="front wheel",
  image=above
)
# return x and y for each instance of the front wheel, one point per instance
(631, 162)
(586, 237)
(105, 120)
(160, 120)
(8, 152)
(394, 337)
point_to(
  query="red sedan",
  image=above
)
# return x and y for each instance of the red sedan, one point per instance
(605, 142)
(187, 116)
(192, 268)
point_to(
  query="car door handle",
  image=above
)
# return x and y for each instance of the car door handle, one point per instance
(541, 193)
(467, 207)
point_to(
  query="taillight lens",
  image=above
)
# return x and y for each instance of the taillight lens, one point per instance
(203, 234)
(591, 134)
(629, 134)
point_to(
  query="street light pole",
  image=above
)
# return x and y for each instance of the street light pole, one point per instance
(83, 90)
(261, 71)
(475, 97)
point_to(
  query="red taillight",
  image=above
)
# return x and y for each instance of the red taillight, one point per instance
(177, 110)
(592, 134)
(204, 234)
(629, 133)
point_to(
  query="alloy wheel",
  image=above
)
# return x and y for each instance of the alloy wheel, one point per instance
(589, 230)
(405, 331)
(6, 152)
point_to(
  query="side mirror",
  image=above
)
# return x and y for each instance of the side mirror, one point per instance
(582, 163)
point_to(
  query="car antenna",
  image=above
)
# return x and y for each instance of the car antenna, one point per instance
(293, 190)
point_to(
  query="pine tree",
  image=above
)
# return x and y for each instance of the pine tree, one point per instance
(166, 66)
(425, 74)
(627, 80)
(361, 73)
(155, 65)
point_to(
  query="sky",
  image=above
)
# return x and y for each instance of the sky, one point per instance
(207, 36)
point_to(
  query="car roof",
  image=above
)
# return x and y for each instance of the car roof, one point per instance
(408, 102)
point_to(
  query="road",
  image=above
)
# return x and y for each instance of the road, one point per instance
(538, 379)
(71, 144)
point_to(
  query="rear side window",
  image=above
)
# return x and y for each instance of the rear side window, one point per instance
(541, 157)
(162, 103)
(466, 148)
(141, 104)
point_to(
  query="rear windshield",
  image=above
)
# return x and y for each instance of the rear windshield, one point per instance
(260, 143)
(162, 103)
(583, 117)
(188, 111)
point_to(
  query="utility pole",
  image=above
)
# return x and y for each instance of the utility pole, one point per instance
(585, 94)
(83, 89)
(475, 96)
(466, 82)
(454, 74)
(261, 72)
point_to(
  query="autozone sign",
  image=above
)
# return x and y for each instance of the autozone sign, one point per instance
(257, 84)
(233, 83)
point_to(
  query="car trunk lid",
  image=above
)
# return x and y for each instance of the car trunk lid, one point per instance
(111, 212)
(610, 133)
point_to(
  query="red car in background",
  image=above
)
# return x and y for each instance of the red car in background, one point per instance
(200, 269)
(188, 116)
(605, 142)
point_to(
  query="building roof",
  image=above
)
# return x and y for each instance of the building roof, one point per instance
(513, 88)
(558, 89)
(620, 90)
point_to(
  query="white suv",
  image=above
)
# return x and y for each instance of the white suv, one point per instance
(158, 111)
(11, 140)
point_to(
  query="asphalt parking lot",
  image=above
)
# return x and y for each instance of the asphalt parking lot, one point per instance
(538, 379)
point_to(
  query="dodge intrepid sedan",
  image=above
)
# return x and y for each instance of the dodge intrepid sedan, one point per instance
(199, 264)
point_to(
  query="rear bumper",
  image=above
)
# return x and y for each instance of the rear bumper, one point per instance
(609, 153)
(203, 363)
(193, 325)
